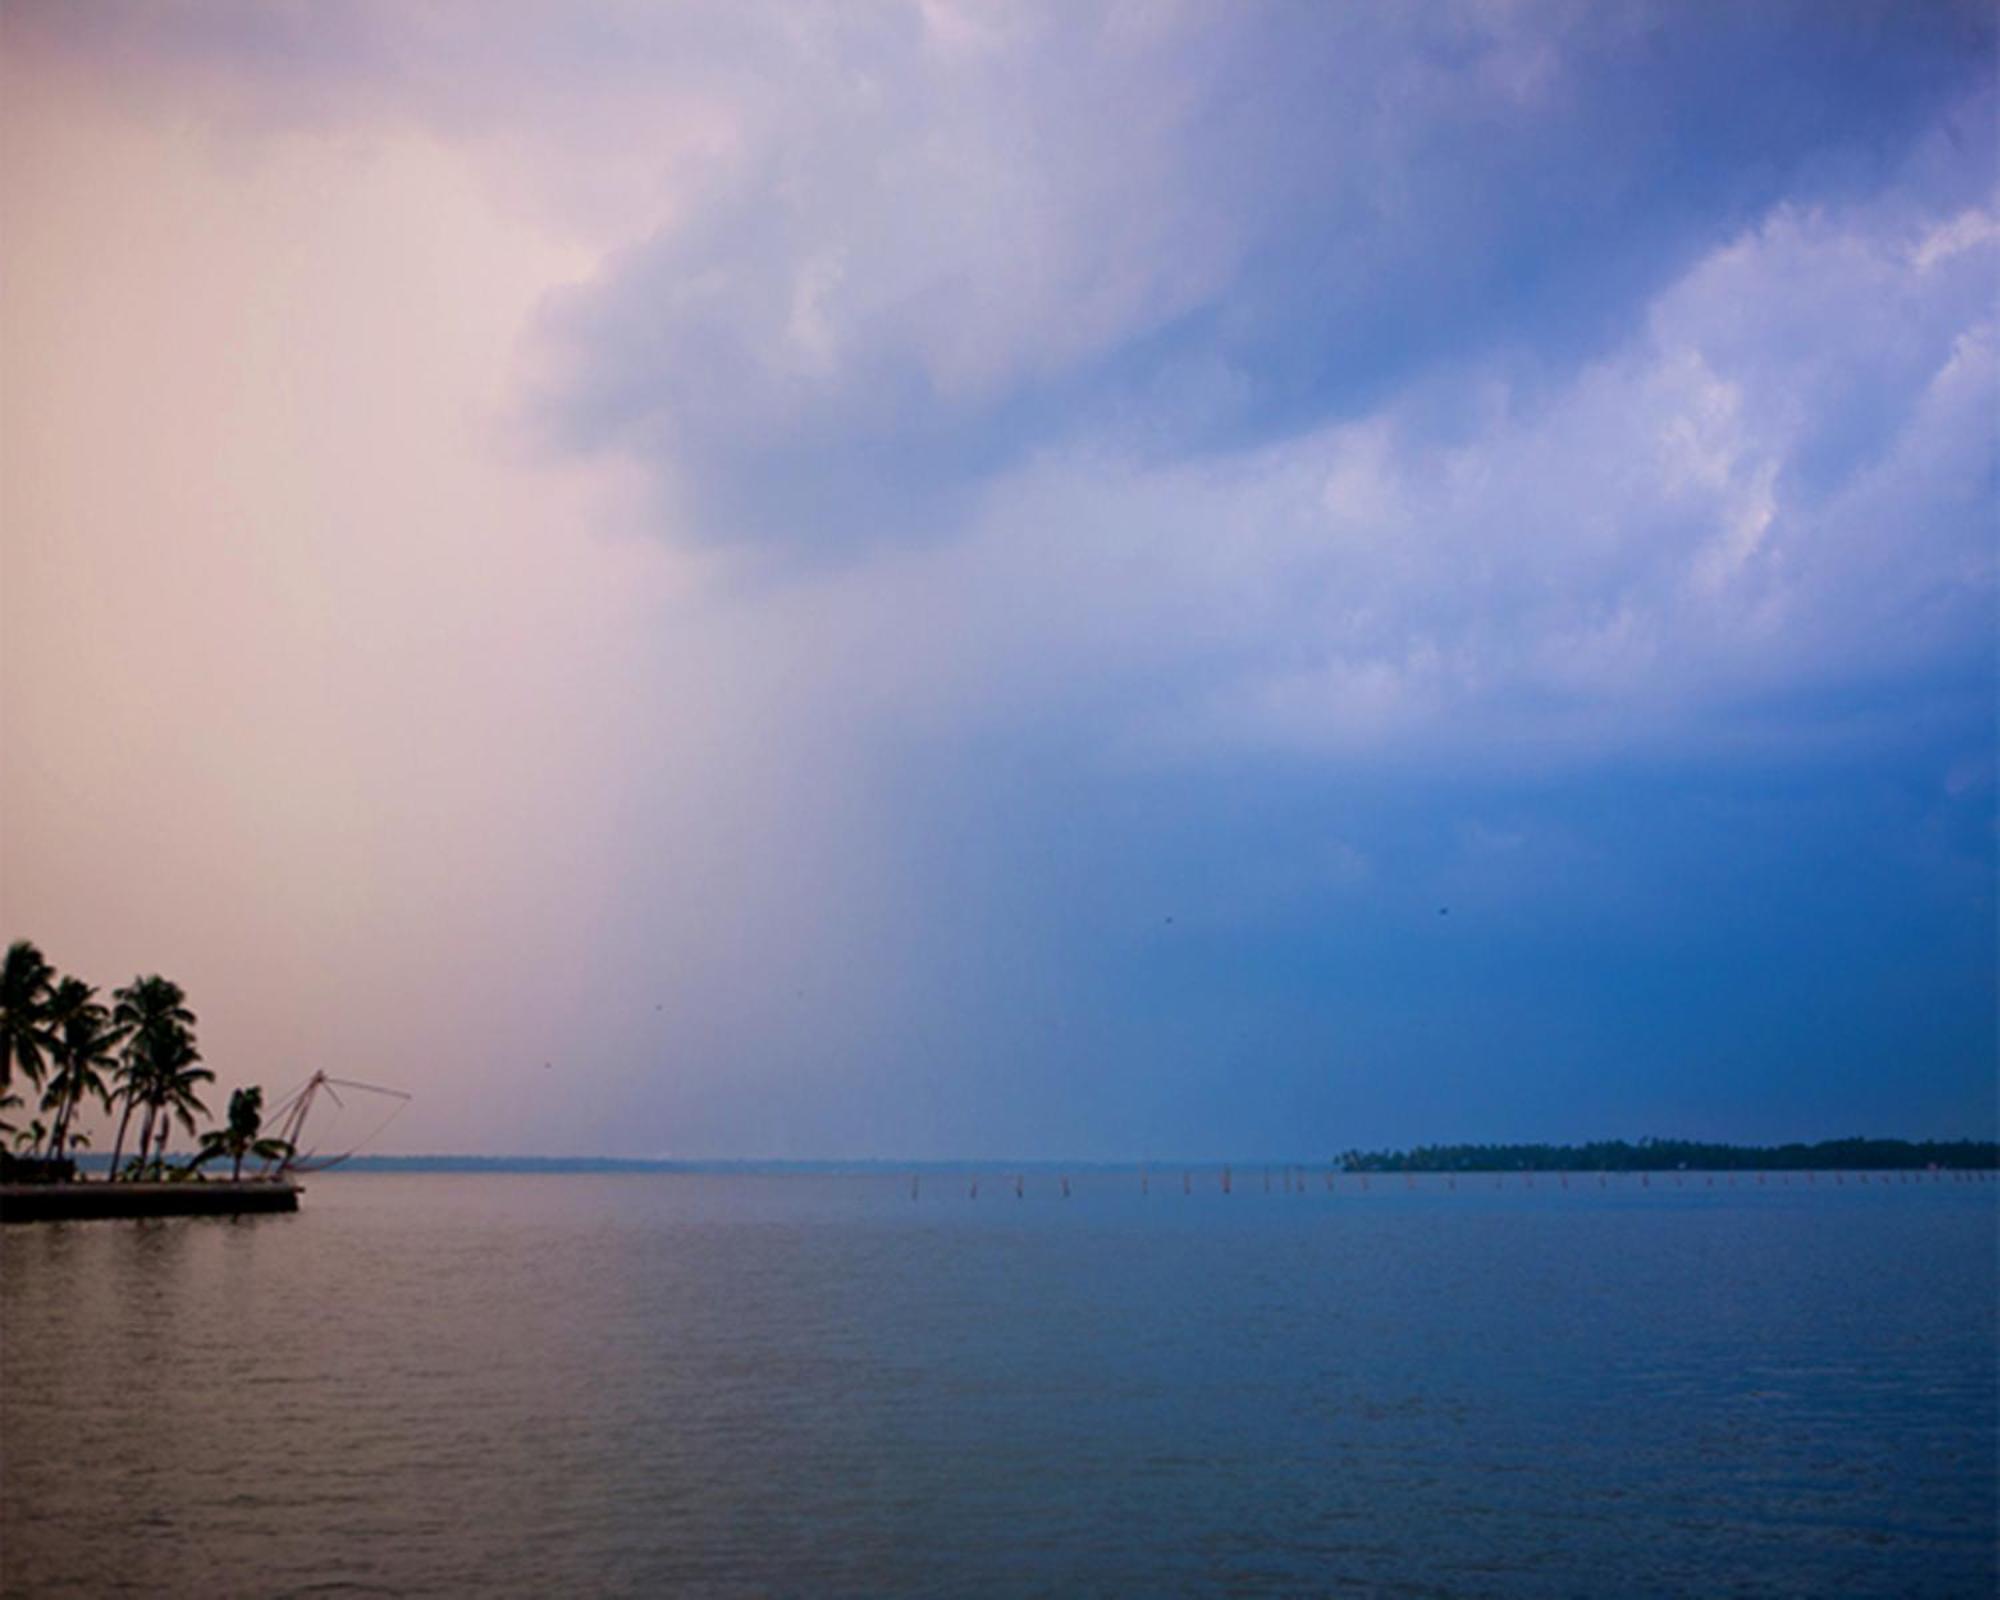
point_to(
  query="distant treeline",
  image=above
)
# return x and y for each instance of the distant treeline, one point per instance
(1670, 1155)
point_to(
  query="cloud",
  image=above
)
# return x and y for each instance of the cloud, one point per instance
(949, 248)
(854, 263)
(1774, 493)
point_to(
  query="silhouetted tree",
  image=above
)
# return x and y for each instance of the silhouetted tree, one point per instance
(159, 1045)
(25, 979)
(173, 1094)
(82, 1045)
(240, 1137)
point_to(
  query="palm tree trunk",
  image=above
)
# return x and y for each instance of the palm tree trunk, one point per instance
(118, 1146)
(61, 1133)
(236, 1171)
(145, 1137)
(68, 1121)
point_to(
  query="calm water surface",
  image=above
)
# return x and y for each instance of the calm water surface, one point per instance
(648, 1384)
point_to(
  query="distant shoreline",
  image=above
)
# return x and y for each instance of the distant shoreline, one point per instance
(1646, 1155)
(1685, 1155)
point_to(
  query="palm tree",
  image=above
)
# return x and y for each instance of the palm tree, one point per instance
(158, 1026)
(24, 996)
(82, 1050)
(150, 1059)
(171, 1093)
(62, 997)
(240, 1137)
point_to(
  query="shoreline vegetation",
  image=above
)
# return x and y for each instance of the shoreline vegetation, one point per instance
(135, 1057)
(1685, 1155)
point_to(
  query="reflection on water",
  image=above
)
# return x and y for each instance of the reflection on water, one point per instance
(644, 1383)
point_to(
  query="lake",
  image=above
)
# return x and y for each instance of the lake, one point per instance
(442, 1384)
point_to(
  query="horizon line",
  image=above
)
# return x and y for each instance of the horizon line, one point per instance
(91, 1159)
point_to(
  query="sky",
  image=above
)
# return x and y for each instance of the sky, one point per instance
(1069, 581)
